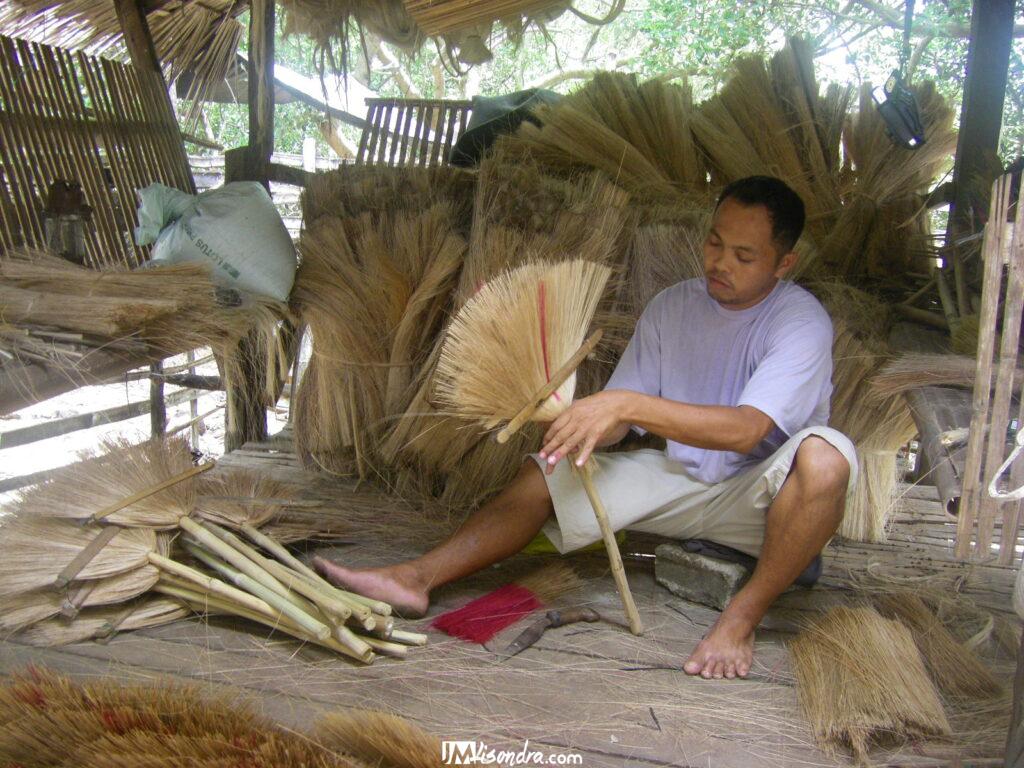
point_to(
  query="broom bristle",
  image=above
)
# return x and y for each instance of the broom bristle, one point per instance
(481, 619)
(379, 739)
(36, 550)
(147, 611)
(120, 471)
(242, 497)
(956, 669)
(509, 339)
(861, 679)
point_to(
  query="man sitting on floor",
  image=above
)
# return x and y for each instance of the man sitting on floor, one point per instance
(734, 371)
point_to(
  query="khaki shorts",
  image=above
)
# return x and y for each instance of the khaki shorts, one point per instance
(646, 491)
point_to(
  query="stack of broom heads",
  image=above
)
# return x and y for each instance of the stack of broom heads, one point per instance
(623, 174)
(137, 536)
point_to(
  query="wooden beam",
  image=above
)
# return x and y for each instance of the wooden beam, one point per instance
(261, 83)
(137, 37)
(988, 59)
(58, 427)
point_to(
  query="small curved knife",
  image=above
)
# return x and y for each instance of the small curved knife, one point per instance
(551, 619)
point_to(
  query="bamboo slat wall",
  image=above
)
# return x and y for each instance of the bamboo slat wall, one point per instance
(408, 132)
(105, 125)
(980, 515)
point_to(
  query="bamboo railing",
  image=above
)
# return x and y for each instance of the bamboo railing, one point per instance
(411, 132)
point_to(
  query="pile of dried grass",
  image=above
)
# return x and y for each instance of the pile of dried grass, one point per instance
(48, 720)
(911, 370)
(167, 309)
(861, 681)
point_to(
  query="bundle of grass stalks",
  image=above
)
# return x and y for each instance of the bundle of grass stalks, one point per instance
(861, 681)
(373, 291)
(637, 134)
(955, 668)
(170, 309)
(48, 720)
(878, 426)
(912, 370)
(351, 190)
(200, 39)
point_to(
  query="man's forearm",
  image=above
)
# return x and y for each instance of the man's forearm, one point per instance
(716, 427)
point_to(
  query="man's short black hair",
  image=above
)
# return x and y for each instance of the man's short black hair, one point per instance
(785, 208)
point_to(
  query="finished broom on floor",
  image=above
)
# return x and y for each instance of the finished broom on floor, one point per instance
(511, 354)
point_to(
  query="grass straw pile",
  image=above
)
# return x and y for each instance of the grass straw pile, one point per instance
(623, 173)
(48, 720)
(135, 537)
(888, 670)
(48, 303)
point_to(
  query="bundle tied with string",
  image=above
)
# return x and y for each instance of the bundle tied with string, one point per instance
(510, 356)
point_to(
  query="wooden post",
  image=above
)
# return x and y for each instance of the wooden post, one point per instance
(247, 407)
(137, 37)
(157, 407)
(988, 57)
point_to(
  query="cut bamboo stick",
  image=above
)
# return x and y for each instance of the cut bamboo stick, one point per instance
(991, 282)
(408, 638)
(243, 581)
(612, 547)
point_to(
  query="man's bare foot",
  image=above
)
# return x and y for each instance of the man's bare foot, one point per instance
(392, 585)
(726, 651)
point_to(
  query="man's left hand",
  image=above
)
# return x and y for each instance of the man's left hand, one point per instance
(583, 426)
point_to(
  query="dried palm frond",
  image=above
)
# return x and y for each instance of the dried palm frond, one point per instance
(861, 680)
(509, 338)
(378, 738)
(119, 472)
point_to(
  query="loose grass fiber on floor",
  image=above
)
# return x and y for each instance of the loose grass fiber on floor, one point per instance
(861, 681)
(48, 720)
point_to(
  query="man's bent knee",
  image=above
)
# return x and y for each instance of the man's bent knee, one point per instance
(821, 465)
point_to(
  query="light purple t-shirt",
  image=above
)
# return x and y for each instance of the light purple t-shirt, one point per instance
(775, 356)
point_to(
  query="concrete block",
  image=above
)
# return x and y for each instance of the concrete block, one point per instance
(698, 578)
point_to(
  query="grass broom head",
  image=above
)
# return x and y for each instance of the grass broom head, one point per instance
(36, 550)
(103, 621)
(956, 669)
(860, 679)
(481, 619)
(46, 719)
(241, 497)
(379, 739)
(507, 341)
(120, 471)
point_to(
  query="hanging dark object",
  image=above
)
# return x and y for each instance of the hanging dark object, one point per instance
(896, 103)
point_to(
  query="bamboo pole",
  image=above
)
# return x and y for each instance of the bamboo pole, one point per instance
(999, 419)
(972, 485)
(611, 546)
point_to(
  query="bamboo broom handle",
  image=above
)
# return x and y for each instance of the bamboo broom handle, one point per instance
(147, 492)
(614, 558)
(387, 648)
(202, 534)
(249, 602)
(200, 601)
(208, 583)
(85, 556)
(289, 579)
(544, 392)
(312, 625)
(407, 638)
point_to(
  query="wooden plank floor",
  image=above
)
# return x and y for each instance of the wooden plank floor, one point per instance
(591, 689)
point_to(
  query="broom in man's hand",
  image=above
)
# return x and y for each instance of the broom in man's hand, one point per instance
(511, 354)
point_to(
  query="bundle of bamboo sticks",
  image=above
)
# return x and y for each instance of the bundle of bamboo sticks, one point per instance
(90, 551)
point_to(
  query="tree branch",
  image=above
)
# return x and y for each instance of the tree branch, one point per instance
(892, 18)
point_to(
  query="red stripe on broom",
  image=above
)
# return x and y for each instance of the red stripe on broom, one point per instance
(481, 619)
